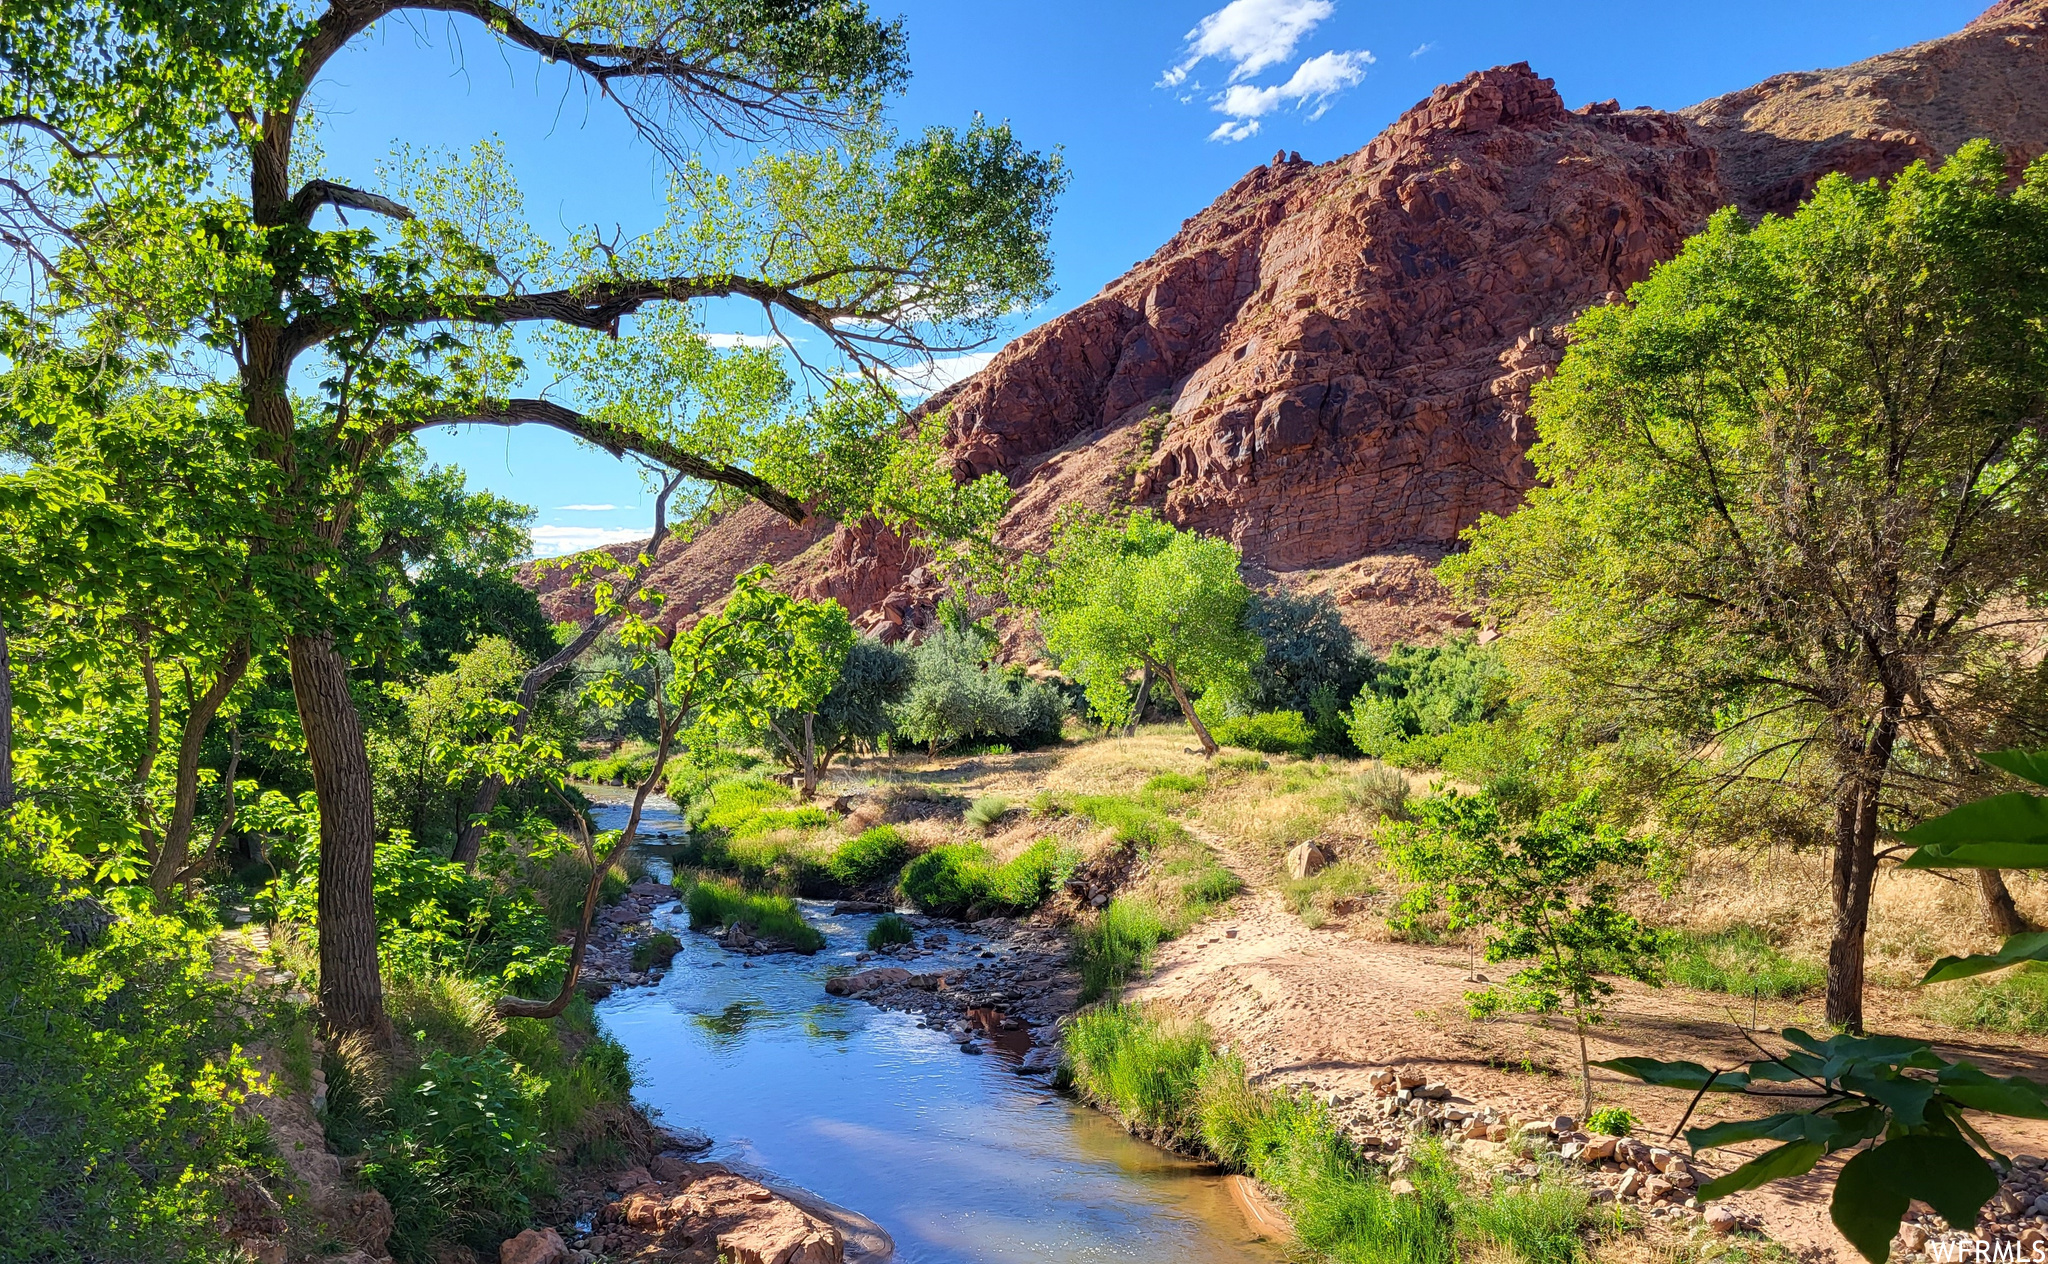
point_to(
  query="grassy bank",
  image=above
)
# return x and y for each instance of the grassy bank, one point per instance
(721, 904)
(1161, 1076)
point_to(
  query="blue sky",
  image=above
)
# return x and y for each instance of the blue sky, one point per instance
(1144, 98)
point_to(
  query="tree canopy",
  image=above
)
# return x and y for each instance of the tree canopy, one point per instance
(1790, 507)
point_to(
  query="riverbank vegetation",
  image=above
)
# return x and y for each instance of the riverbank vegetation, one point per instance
(1161, 1075)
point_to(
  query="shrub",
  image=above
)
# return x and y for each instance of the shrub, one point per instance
(1272, 732)
(460, 1158)
(962, 878)
(957, 695)
(1117, 945)
(1313, 664)
(1612, 1121)
(773, 917)
(119, 1070)
(1379, 789)
(987, 811)
(1740, 960)
(875, 853)
(891, 929)
(657, 949)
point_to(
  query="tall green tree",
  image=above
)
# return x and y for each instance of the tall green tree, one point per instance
(161, 180)
(1144, 598)
(1790, 507)
(787, 655)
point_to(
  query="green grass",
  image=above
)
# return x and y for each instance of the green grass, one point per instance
(962, 879)
(1740, 960)
(1136, 822)
(986, 811)
(1159, 1073)
(1242, 763)
(720, 904)
(2015, 1002)
(874, 854)
(1117, 945)
(1313, 898)
(891, 929)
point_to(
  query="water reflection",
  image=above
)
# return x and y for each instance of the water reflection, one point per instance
(962, 1160)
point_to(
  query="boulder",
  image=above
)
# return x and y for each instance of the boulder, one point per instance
(1306, 860)
(1598, 1147)
(535, 1246)
(865, 980)
(363, 1219)
(1722, 1220)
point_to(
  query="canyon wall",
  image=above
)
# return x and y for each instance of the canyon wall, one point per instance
(1330, 366)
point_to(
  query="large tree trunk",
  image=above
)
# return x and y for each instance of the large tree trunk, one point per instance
(1855, 868)
(351, 988)
(1999, 910)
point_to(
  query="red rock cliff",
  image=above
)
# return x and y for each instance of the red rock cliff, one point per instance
(1330, 366)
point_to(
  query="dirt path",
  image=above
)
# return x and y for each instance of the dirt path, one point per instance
(1320, 1008)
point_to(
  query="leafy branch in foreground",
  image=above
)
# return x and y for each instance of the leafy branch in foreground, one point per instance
(1895, 1093)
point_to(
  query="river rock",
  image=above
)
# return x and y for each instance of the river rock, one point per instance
(535, 1246)
(749, 1223)
(1721, 1220)
(862, 980)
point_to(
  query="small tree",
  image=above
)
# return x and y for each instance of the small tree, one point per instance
(1147, 599)
(1538, 890)
(791, 653)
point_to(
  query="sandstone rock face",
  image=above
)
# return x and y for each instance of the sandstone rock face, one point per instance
(1331, 365)
(744, 1221)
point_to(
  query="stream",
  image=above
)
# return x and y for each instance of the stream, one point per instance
(957, 1156)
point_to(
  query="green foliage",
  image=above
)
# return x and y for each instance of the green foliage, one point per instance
(1134, 823)
(783, 657)
(1421, 699)
(1740, 960)
(453, 608)
(961, 879)
(1890, 1090)
(773, 917)
(1612, 1121)
(1312, 664)
(1272, 732)
(873, 854)
(459, 1155)
(121, 1074)
(888, 930)
(1160, 1075)
(657, 949)
(1544, 893)
(984, 813)
(957, 695)
(1117, 945)
(1141, 595)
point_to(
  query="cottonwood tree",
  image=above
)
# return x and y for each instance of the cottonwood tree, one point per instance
(1790, 508)
(785, 659)
(1143, 597)
(160, 184)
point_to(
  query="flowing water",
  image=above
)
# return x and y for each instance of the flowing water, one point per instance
(957, 1156)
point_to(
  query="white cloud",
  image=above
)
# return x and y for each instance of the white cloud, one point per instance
(1420, 49)
(584, 508)
(1249, 34)
(1316, 82)
(554, 541)
(725, 342)
(943, 371)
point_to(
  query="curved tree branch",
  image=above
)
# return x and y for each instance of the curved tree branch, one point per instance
(318, 193)
(618, 441)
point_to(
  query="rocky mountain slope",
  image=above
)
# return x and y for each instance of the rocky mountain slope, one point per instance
(1331, 364)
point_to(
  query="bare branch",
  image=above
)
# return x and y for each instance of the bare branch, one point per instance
(319, 193)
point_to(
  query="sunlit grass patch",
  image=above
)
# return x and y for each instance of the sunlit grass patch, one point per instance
(2014, 1002)
(1740, 960)
(721, 904)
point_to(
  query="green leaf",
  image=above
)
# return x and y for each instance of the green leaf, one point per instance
(1877, 1185)
(2002, 818)
(1906, 1098)
(1791, 1159)
(1968, 1086)
(1831, 1131)
(2027, 765)
(2032, 946)
(2028, 855)
(1676, 1074)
